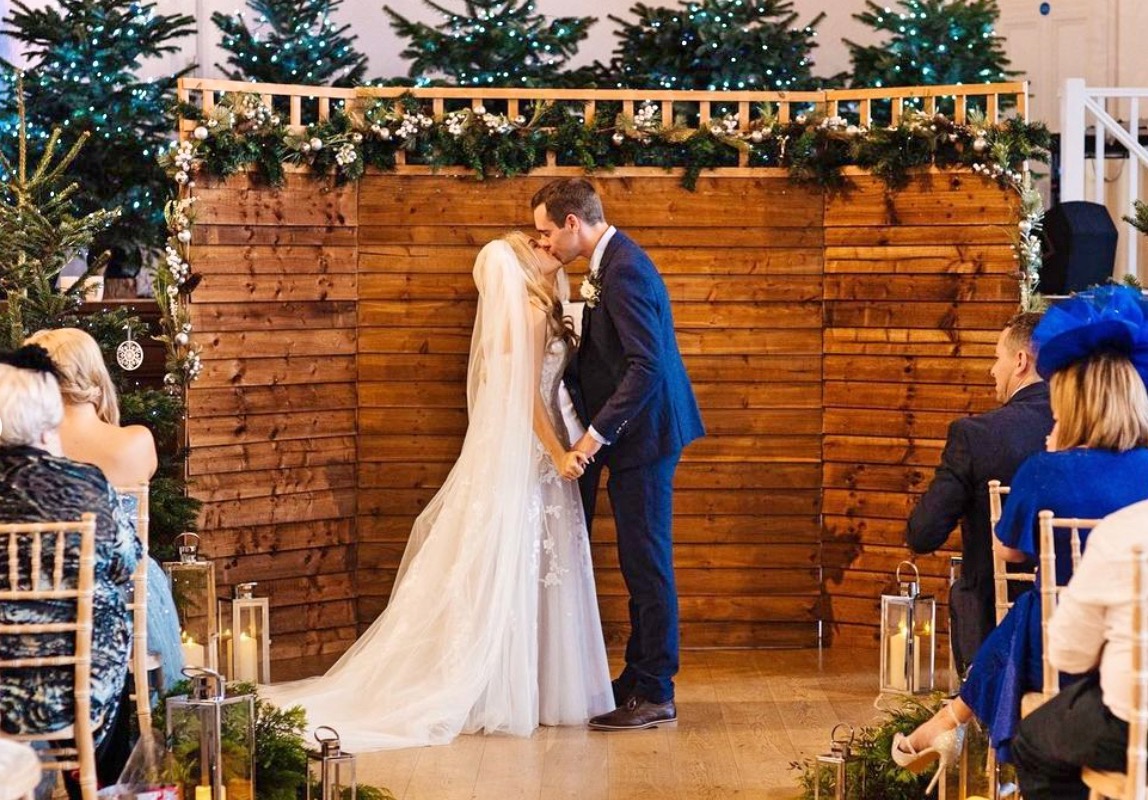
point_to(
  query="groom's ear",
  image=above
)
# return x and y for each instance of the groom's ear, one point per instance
(572, 222)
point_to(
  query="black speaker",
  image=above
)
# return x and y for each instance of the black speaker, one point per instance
(1079, 247)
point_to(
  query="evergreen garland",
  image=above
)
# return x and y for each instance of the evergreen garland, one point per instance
(292, 41)
(929, 43)
(813, 147)
(85, 57)
(714, 45)
(491, 43)
(1139, 219)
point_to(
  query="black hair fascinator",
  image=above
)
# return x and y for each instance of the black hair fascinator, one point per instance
(30, 356)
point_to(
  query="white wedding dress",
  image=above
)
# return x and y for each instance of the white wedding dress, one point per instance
(493, 621)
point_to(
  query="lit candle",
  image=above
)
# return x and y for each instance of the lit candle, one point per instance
(896, 661)
(228, 665)
(193, 655)
(204, 793)
(246, 659)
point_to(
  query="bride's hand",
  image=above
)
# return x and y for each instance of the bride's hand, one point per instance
(572, 464)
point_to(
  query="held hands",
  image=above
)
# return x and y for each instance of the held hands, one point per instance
(572, 464)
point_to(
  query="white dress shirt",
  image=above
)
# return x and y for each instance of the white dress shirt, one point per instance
(1092, 623)
(565, 402)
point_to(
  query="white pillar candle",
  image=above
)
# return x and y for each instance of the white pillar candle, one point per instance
(246, 659)
(896, 661)
(193, 655)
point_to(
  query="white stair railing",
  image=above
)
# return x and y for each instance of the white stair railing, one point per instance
(1084, 105)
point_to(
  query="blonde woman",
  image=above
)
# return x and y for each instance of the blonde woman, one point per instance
(91, 429)
(492, 624)
(1091, 349)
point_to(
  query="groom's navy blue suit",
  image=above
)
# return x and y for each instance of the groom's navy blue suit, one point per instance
(629, 382)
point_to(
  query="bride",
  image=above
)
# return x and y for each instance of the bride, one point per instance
(492, 623)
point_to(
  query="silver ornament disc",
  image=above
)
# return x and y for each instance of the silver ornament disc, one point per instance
(129, 355)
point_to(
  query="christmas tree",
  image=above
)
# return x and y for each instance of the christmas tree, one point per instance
(294, 41)
(714, 44)
(84, 57)
(40, 231)
(492, 43)
(931, 42)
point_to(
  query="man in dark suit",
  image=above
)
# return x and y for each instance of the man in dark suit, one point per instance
(981, 448)
(630, 388)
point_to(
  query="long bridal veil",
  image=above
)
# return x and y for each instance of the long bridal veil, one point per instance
(457, 648)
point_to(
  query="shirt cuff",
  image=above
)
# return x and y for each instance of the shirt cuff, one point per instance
(599, 438)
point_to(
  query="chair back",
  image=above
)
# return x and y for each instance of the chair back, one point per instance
(1136, 783)
(141, 689)
(45, 548)
(1049, 590)
(1001, 575)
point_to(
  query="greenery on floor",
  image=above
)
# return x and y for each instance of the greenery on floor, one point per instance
(869, 769)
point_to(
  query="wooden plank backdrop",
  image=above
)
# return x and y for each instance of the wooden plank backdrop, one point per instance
(917, 286)
(830, 341)
(742, 260)
(272, 420)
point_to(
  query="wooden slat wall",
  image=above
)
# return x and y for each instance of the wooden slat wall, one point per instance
(830, 340)
(272, 419)
(742, 259)
(917, 287)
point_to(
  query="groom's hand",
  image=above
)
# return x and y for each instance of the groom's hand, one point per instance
(588, 445)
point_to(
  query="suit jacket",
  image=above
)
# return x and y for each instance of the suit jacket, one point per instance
(978, 449)
(628, 380)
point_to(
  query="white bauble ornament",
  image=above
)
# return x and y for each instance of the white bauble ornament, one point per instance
(200, 132)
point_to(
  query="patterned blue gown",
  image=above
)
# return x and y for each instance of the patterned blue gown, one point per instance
(162, 617)
(38, 487)
(1080, 483)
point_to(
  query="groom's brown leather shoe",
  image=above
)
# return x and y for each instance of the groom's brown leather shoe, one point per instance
(636, 714)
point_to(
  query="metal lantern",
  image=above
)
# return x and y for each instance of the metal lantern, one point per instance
(832, 768)
(193, 589)
(330, 770)
(245, 644)
(212, 739)
(908, 637)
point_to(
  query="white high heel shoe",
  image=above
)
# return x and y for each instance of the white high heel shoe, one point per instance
(946, 748)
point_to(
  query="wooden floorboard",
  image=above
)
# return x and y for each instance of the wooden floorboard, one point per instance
(744, 716)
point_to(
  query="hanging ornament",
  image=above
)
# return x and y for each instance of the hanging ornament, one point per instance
(129, 355)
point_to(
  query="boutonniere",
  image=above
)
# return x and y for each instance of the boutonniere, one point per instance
(591, 289)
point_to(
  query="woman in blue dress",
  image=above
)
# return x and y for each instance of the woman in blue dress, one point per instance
(1093, 349)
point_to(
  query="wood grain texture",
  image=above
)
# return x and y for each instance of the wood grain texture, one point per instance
(917, 287)
(831, 341)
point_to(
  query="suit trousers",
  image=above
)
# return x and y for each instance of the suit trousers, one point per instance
(1071, 730)
(642, 499)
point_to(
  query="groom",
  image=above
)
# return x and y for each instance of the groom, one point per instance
(630, 388)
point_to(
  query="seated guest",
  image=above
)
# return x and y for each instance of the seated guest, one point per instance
(91, 433)
(978, 449)
(38, 484)
(1087, 723)
(1087, 348)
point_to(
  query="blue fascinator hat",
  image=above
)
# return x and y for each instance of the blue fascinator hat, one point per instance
(1105, 319)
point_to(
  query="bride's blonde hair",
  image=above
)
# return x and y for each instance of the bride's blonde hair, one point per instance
(541, 295)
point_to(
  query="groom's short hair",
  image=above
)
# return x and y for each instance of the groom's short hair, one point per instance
(570, 196)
